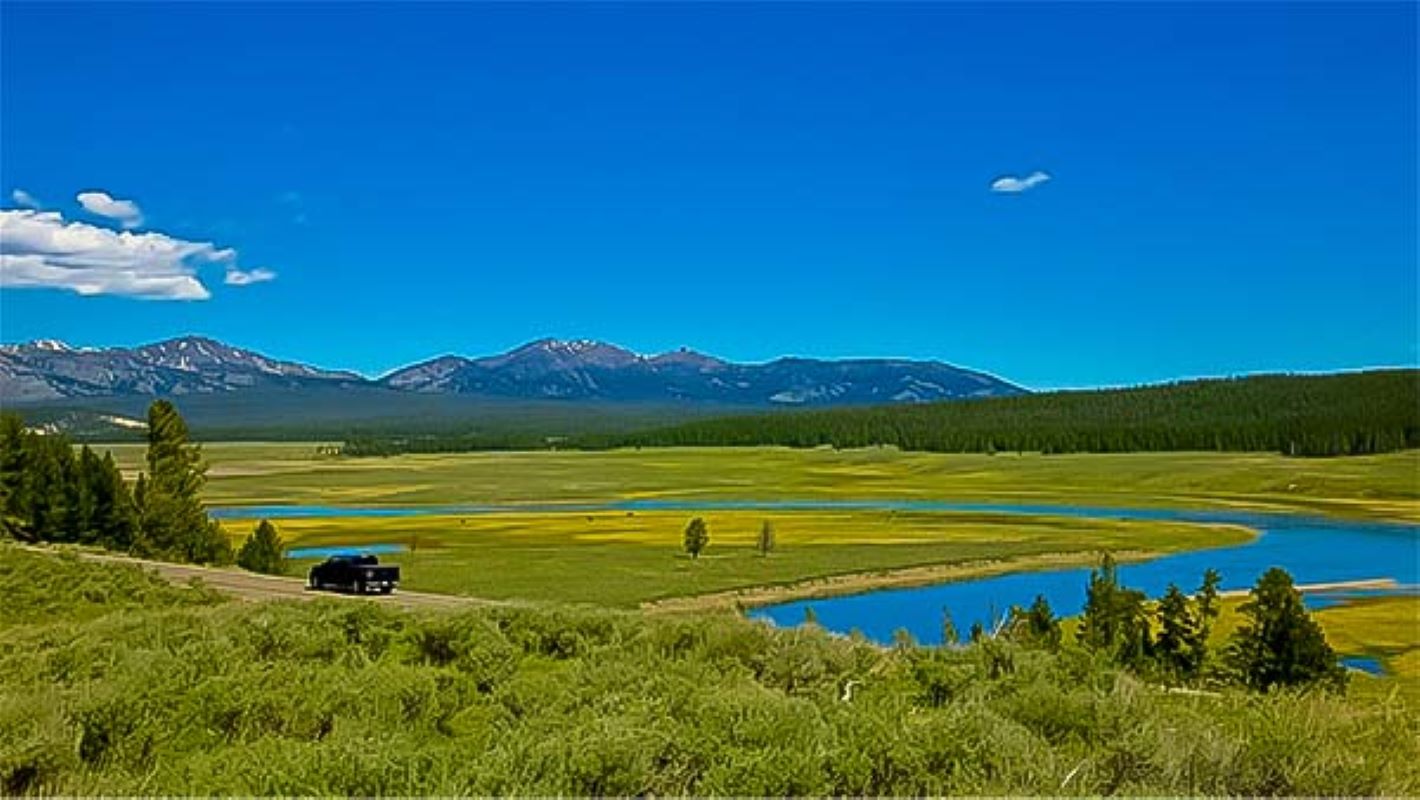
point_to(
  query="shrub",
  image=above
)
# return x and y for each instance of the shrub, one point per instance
(263, 551)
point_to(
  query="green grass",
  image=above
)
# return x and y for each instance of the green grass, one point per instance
(623, 558)
(1386, 628)
(49, 586)
(355, 699)
(245, 474)
(620, 559)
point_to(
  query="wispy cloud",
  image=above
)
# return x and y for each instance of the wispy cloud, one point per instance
(1010, 184)
(236, 277)
(41, 250)
(126, 212)
(24, 199)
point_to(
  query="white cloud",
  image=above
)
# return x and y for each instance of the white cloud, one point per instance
(236, 277)
(103, 204)
(24, 199)
(39, 249)
(1009, 184)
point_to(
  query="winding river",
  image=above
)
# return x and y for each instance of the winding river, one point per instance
(1314, 549)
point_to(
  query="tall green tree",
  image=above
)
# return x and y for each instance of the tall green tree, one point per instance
(114, 516)
(173, 522)
(1280, 644)
(41, 490)
(1208, 605)
(1176, 647)
(263, 551)
(697, 536)
(12, 472)
(1115, 618)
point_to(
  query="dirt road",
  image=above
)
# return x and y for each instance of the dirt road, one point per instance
(251, 586)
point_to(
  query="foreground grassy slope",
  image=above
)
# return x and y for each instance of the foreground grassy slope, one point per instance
(628, 558)
(352, 698)
(246, 474)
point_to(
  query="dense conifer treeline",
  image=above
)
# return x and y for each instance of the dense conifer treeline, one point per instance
(48, 493)
(1347, 414)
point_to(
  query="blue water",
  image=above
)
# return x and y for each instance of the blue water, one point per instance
(338, 550)
(1313, 549)
(1367, 664)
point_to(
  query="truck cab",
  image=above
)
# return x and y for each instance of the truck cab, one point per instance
(354, 573)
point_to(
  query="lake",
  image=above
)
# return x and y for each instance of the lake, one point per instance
(1313, 549)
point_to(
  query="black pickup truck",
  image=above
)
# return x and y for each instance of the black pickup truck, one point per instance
(360, 574)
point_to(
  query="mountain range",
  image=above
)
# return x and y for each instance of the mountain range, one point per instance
(50, 372)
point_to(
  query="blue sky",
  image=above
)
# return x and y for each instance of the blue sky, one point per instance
(1231, 188)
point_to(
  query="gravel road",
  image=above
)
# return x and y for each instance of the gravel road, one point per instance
(251, 586)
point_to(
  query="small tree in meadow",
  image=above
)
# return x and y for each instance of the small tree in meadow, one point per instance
(765, 543)
(1280, 644)
(697, 535)
(263, 551)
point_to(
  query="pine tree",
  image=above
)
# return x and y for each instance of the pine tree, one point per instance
(41, 498)
(1280, 644)
(174, 523)
(697, 535)
(115, 517)
(1209, 606)
(1115, 619)
(89, 473)
(1041, 625)
(1177, 644)
(1099, 628)
(263, 551)
(12, 473)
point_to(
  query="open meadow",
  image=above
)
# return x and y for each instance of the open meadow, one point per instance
(629, 558)
(1386, 486)
(626, 558)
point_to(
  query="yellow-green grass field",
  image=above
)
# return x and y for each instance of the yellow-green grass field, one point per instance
(624, 559)
(617, 559)
(1385, 486)
(1385, 628)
